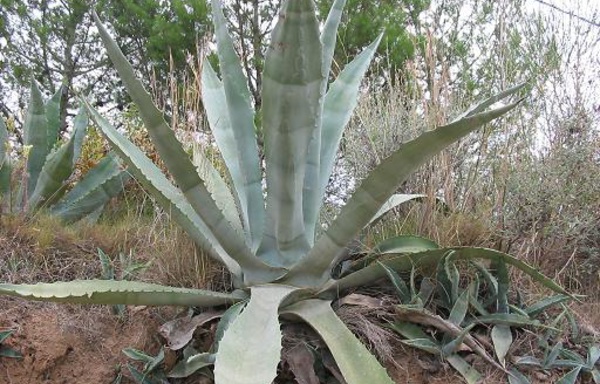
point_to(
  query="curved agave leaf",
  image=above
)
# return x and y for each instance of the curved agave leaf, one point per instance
(5, 166)
(291, 113)
(234, 129)
(53, 118)
(192, 364)
(176, 159)
(329, 35)
(393, 202)
(355, 361)
(251, 347)
(59, 166)
(119, 292)
(167, 196)
(218, 188)
(89, 196)
(376, 189)
(338, 105)
(311, 195)
(501, 334)
(35, 136)
(394, 245)
(430, 259)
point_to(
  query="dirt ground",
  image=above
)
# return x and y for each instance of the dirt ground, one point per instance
(68, 344)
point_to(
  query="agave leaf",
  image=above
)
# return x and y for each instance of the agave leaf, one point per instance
(427, 345)
(355, 361)
(426, 318)
(570, 377)
(466, 370)
(59, 166)
(118, 292)
(228, 317)
(231, 119)
(483, 105)
(529, 360)
(5, 335)
(546, 303)
(460, 308)
(501, 334)
(329, 35)
(453, 345)
(171, 200)
(593, 356)
(94, 190)
(595, 376)
(376, 189)
(399, 285)
(35, 135)
(218, 188)
(516, 377)
(291, 113)
(404, 263)
(9, 352)
(192, 364)
(393, 202)
(137, 355)
(251, 347)
(53, 118)
(502, 339)
(143, 378)
(338, 105)
(509, 319)
(395, 245)
(5, 166)
(174, 156)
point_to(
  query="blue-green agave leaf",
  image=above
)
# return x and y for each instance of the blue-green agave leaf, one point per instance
(250, 350)
(167, 196)
(218, 188)
(175, 157)
(53, 118)
(291, 113)
(357, 364)
(192, 364)
(59, 166)
(466, 370)
(339, 103)
(5, 164)
(376, 189)
(235, 132)
(118, 292)
(429, 259)
(570, 377)
(99, 185)
(35, 137)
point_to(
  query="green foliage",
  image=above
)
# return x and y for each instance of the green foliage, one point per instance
(49, 166)
(364, 20)
(279, 261)
(127, 270)
(7, 351)
(465, 311)
(151, 372)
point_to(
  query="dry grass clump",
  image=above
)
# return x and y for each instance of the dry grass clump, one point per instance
(41, 249)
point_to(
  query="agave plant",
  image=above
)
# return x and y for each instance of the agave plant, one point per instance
(48, 169)
(280, 258)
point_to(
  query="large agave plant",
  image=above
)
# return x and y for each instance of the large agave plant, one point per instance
(280, 262)
(48, 167)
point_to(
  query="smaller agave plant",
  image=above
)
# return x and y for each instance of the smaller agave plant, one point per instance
(282, 264)
(48, 168)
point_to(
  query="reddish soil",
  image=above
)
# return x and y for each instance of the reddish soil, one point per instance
(65, 344)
